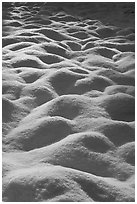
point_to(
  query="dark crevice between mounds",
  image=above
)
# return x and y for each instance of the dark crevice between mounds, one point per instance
(120, 107)
(7, 109)
(64, 81)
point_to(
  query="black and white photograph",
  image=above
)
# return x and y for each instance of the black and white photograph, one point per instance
(68, 101)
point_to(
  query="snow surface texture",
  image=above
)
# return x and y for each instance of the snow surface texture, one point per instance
(68, 102)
